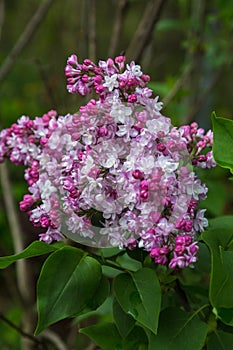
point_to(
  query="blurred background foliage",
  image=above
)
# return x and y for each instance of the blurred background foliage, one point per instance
(187, 50)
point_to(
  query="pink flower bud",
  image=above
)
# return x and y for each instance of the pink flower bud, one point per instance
(137, 174)
(120, 59)
(144, 194)
(144, 185)
(161, 147)
(132, 98)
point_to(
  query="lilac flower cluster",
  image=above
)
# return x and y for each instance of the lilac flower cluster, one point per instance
(111, 76)
(117, 173)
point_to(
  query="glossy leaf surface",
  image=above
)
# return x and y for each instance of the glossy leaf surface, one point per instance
(67, 283)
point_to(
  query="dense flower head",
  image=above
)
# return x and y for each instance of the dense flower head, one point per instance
(116, 173)
(111, 77)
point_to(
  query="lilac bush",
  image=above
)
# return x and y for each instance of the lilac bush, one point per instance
(116, 173)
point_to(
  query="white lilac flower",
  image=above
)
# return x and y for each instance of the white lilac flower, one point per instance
(135, 69)
(200, 222)
(167, 165)
(160, 124)
(111, 82)
(120, 113)
(196, 189)
(89, 163)
(54, 140)
(147, 164)
(126, 130)
(157, 105)
(46, 188)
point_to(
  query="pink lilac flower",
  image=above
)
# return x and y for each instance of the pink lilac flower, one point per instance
(116, 173)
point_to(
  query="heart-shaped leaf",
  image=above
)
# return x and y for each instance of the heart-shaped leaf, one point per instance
(139, 295)
(68, 281)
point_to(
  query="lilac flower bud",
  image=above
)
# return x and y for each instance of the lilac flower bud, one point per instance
(145, 78)
(132, 98)
(99, 89)
(138, 126)
(144, 185)
(187, 239)
(98, 80)
(44, 221)
(122, 84)
(72, 60)
(161, 147)
(201, 158)
(120, 59)
(102, 131)
(137, 174)
(194, 125)
(155, 252)
(88, 62)
(186, 130)
(26, 203)
(85, 78)
(144, 194)
(180, 240)
(179, 249)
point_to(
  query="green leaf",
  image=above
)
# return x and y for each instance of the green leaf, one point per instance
(178, 330)
(35, 249)
(221, 281)
(136, 340)
(224, 222)
(104, 335)
(67, 283)
(139, 295)
(223, 141)
(108, 252)
(220, 341)
(124, 322)
(128, 263)
(104, 310)
(100, 294)
(226, 315)
(107, 337)
(110, 271)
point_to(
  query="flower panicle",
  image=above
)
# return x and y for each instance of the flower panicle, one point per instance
(110, 77)
(116, 173)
